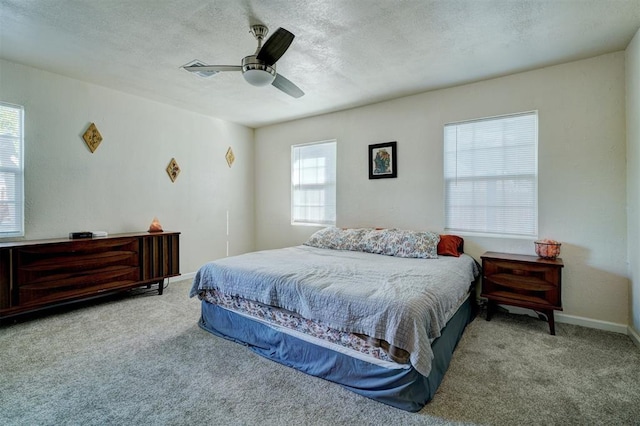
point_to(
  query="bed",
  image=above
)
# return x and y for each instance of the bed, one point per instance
(378, 311)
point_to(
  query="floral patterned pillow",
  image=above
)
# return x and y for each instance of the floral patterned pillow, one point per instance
(423, 245)
(388, 242)
(327, 238)
(401, 243)
(337, 239)
(352, 239)
(374, 241)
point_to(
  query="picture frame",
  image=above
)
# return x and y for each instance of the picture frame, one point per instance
(383, 160)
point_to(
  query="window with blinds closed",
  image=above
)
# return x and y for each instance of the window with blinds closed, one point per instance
(313, 184)
(491, 176)
(11, 170)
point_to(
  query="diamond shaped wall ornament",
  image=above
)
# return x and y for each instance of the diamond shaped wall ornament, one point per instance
(230, 157)
(173, 170)
(92, 137)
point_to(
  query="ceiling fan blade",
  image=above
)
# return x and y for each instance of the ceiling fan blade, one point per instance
(275, 46)
(287, 86)
(212, 68)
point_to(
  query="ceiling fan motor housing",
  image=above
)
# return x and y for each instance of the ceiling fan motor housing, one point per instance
(256, 72)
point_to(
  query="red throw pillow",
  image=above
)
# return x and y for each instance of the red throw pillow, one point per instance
(450, 245)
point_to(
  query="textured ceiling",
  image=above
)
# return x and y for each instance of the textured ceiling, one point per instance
(346, 52)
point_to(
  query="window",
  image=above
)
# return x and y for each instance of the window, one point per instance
(313, 184)
(491, 176)
(11, 170)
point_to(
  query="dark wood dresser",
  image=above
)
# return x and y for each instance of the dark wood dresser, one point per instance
(40, 274)
(525, 281)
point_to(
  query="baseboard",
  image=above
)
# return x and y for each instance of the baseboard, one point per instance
(571, 319)
(185, 276)
(635, 337)
(592, 323)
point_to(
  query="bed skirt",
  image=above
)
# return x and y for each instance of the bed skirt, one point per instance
(402, 388)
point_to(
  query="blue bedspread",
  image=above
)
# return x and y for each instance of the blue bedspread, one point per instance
(403, 301)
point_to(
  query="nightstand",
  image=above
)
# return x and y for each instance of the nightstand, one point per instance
(524, 281)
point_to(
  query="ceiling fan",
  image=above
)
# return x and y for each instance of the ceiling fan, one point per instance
(258, 69)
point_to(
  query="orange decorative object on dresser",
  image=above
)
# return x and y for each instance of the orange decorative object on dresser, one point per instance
(155, 225)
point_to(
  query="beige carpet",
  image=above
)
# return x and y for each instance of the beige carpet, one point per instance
(143, 360)
(510, 371)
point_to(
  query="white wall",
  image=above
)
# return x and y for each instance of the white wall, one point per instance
(633, 174)
(582, 172)
(123, 185)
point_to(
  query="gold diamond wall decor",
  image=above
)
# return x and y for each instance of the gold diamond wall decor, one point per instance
(230, 157)
(173, 170)
(92, 137)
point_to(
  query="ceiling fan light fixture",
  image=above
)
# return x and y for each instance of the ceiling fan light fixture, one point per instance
(256, 72)
(258, 77)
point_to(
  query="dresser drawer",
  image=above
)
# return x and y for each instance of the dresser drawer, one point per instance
(52, 272)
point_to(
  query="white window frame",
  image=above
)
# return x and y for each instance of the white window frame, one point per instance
(491, 176)
(12, 197)
(325, 187)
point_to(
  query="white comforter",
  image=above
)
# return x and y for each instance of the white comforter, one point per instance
(400, 300)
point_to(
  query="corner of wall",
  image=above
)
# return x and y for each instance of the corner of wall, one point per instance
(632, 83)
(635, 337)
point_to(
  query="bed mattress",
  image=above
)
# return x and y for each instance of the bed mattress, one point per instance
(382, 326)
(402, 301)
(318, 332)
(398, 385)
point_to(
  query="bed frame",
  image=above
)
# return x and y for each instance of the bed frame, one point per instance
(401, 388)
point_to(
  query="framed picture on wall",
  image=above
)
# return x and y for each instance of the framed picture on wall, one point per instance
(383, 160)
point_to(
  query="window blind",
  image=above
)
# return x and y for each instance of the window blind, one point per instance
(491, 175)
(11, 170)
(313, 183)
